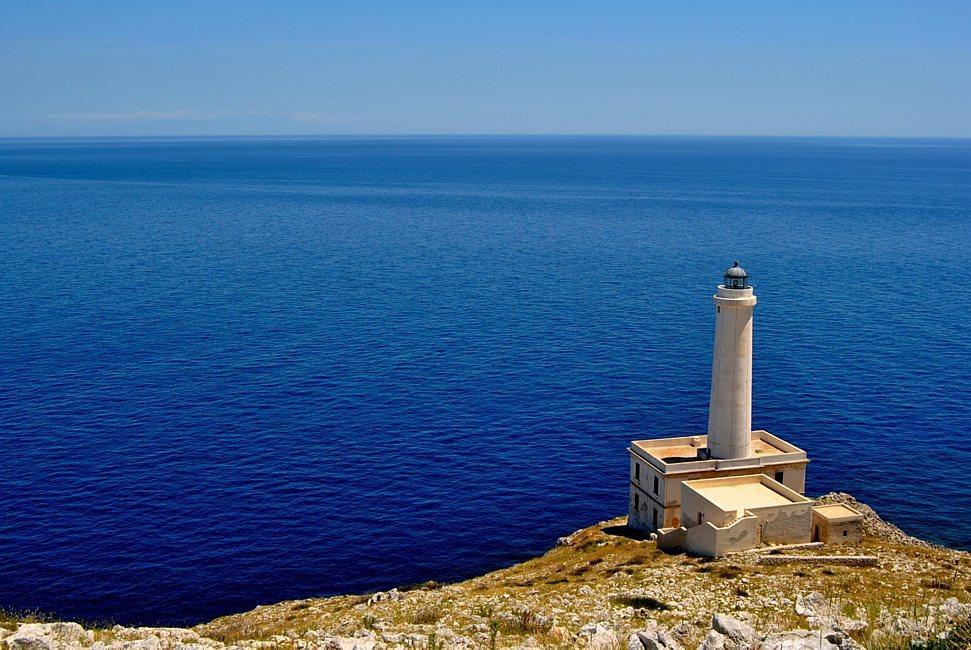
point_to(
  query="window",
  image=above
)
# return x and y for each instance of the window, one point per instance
(637, 502)
(778, 476)
(701, 518)
(655, 485)
(845, 532)
(654, 518)
(637, 471)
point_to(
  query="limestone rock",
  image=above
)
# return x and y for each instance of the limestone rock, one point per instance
(740, 635)
(393, 594)
(813, 604)
(567, 540)
(821, 614)
(52, 636)
(955, 610)
(809, 640)
(349, 643)
(596, 636)
(19, 641)
(654, 638)
(681, 632)
(714, 641)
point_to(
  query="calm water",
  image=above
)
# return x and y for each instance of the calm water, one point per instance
(236, 372)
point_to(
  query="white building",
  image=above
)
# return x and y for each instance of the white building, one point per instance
(739, 487)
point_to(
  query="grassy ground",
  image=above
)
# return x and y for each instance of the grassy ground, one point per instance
(605, 575)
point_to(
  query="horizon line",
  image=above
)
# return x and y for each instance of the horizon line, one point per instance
(284, 136)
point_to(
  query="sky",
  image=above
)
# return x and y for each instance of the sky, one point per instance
(170, 67)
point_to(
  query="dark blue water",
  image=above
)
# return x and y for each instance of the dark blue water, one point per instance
(236, 372)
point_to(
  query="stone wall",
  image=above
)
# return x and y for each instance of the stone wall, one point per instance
(714, 541)
(846, 560)
(790, 524)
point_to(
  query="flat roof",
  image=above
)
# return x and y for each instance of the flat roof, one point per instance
(734, 493)
(674, 451)
(681, 453)
(833, 511)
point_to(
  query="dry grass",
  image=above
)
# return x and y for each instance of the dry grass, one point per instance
(519, 601)
(427, 614)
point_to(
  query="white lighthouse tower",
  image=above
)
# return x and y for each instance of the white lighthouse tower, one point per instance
(730, 409)
(663, 469)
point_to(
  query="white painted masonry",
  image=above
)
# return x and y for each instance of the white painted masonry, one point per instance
(730, 408)
(764, 475)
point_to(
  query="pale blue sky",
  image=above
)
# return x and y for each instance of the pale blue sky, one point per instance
(174, 67)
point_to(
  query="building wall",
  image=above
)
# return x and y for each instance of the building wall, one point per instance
(846, 532)
(788, 524)
(668, 497)
(714, 541)
(694, 506)
(642, 517)
(644, 479)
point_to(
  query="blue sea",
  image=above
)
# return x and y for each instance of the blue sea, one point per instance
(238, 371)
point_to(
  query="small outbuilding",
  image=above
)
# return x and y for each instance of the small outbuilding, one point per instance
(737, 513)
(836, 524)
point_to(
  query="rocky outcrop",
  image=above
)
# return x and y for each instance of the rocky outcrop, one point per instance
(601, 588)
(828, 630)
(654, 637)
(873, 525)
(809, 640)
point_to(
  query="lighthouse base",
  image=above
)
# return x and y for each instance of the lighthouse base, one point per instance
(658, 468)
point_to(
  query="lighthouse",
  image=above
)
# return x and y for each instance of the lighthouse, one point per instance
(661, 467)
(730, 408)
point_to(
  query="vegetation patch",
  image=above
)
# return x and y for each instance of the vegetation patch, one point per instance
(524, 623)
(640, 602)
(427, 614)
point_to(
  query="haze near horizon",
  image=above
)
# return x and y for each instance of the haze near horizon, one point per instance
(617, 68)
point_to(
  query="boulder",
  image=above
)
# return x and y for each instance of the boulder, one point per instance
(53, 636)
(740, 635)
(18, 641)
(349, 643)
(955, 610)
(809, 640)
(813, 604)
(821, 614)
(681, 632)
(714, 641)
(393, 594)
(596, 636)
(654, 638)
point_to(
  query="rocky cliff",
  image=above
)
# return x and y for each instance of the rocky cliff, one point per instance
(603, 588)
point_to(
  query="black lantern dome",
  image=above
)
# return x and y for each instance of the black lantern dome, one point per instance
(736, 277)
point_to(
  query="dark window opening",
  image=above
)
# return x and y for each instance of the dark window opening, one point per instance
(655, 485)
(637, 471)
(778, 476)
(701, 518)
(845, 532)
(637, 502)
(654, 518)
